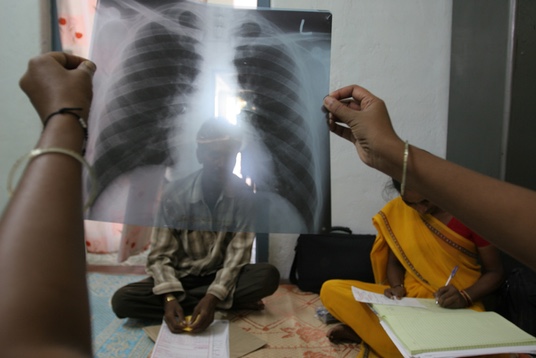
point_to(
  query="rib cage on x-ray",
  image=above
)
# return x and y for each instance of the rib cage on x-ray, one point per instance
(149, 96)
(148, 101)
(268, 77)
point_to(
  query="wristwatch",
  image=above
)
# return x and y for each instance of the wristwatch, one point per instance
(169, 297)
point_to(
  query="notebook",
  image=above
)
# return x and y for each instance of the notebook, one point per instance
(427, 330)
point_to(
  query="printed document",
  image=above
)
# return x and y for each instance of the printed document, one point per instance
(376, 298)
(212, 343)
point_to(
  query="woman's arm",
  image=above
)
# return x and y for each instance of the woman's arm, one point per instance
(502, 213)
(395, 275)
(44, 301)
(492, 273)
(491, 279)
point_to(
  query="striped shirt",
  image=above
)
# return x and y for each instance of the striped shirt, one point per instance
(191, 240)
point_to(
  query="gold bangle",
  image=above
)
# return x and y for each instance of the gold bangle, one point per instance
(39, 151)
(404, 168)
(467, 298)
(169, 297)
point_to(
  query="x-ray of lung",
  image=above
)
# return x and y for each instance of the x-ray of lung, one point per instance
(165, 67)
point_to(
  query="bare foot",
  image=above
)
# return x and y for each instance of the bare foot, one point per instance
(253, 306)
(343, 333)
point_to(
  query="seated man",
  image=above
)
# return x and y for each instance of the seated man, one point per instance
(201, 247)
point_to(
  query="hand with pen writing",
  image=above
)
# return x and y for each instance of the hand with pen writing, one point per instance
(449, 297)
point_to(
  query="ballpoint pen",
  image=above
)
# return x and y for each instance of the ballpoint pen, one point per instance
(454, 270)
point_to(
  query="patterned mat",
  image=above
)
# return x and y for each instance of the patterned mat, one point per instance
(114, 337)
(290, 326)
(288, 323)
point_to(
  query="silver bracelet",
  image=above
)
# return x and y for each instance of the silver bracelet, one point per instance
(40, 151)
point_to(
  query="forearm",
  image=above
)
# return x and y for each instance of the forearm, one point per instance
(224, 282)
(165, 279)
(43, 225)
(395, 271)
(160, 262)
(396, 280)
(487, 284)
(500, 212)
(238, 254)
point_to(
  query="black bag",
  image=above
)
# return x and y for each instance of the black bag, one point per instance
(322, 257)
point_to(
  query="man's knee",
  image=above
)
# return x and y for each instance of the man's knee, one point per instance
(118, 303)
(268, 277)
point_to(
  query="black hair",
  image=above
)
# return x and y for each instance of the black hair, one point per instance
(396, 185)
(218, 128)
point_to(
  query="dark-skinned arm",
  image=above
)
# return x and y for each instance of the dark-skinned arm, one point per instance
(491, 279)
(503, 213)
(395, 276)
(44, 302)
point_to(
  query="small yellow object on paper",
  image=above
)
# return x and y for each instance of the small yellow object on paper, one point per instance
(188, 319)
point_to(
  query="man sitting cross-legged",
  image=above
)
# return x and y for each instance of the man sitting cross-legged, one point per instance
(201, 247)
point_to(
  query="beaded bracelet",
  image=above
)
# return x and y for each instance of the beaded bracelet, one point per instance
(40, 151)
(400, 285)
(81, 120)
(404, 168)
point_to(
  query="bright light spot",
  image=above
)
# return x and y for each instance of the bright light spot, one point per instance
(245, 3)
(238, 166)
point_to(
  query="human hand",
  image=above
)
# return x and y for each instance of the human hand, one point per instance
(58, 80)
(367, 121)
(174, 316)
(395, 293)
(450, 297)
(203, 314)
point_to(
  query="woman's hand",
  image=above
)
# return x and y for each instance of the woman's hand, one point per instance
(395, 293)
(357, 115)
(450, 297)
(58, 80)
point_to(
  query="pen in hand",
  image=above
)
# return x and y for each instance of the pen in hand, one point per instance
(454, 270)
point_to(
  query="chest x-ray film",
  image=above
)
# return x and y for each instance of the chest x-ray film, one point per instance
(166, 67)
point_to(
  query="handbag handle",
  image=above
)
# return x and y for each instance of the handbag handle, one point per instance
(341, 228)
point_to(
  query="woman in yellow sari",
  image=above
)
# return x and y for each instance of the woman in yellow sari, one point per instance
(415, 251)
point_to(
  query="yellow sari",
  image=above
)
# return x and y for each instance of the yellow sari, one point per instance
(427, 249)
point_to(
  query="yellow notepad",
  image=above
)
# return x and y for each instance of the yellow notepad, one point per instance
(438, 332)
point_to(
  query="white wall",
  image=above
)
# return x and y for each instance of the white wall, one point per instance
(22, 24)
(400, 50)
